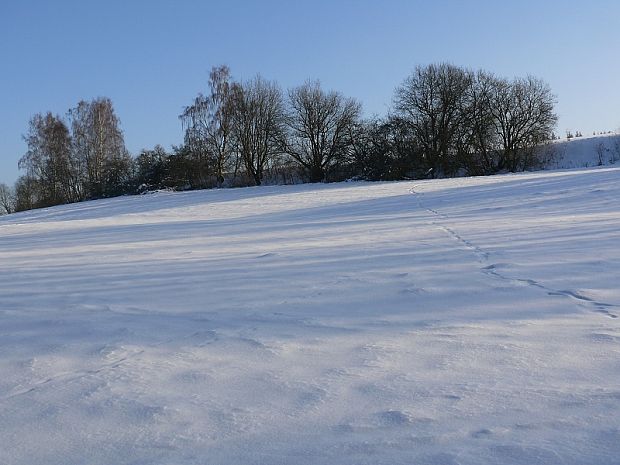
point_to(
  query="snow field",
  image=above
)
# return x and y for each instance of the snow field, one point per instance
(460, 321)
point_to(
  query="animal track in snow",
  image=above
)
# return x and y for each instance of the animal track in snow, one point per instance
(600, 307)
(492, 270)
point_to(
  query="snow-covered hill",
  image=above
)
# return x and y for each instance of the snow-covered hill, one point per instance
(586, 151)
(458, 321)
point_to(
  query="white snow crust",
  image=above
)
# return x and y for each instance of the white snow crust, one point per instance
(458, 321)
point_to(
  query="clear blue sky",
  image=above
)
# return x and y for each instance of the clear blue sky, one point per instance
(152, 57)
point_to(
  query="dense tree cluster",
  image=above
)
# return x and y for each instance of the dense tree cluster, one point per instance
(446, 121)
(474, 123)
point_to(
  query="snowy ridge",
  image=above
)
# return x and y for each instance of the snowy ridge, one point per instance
(457, 321)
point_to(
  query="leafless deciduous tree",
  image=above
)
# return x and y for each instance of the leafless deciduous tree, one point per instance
(601, 149)
(208, 125)
(433, 101)
(319, 124)
(523, 117)
(48, 160)
(477, 141)
(7, 199)
(99, 147)
(25, 193)
(258, 124)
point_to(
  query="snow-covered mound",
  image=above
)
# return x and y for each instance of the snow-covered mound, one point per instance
(458, 321)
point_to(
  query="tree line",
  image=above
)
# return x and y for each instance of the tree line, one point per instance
(79, 157)
(445, 121)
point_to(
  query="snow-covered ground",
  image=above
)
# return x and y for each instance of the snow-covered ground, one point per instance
(585, 151)
(459, 321)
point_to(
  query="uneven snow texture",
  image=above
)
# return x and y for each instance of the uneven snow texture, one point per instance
(461, 321)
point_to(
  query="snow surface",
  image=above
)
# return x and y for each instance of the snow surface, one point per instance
(585, 151)
(457, 321)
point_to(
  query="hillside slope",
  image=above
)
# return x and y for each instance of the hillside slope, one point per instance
(457, 321)
(586, 151)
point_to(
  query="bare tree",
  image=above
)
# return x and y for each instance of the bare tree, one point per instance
(86, 164)
(601, 149)
(523, 116)
(7, 199)
(319, 124)
(258, 124)
(477, 142)
(208, 124)
(433, 100)
(26, 193)
(99, 148)
(49, 159)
